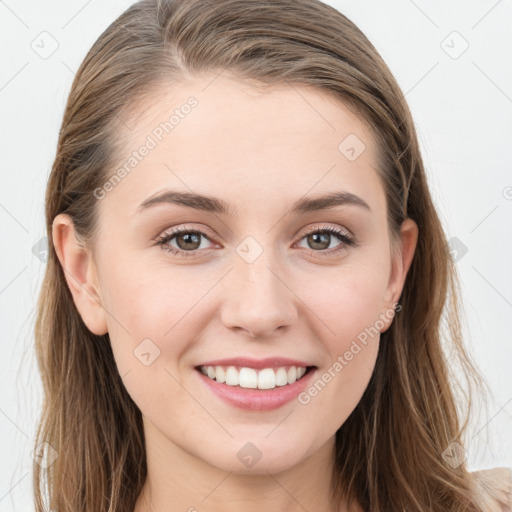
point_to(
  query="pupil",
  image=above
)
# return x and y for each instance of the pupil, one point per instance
(315, 239)
(188, 239)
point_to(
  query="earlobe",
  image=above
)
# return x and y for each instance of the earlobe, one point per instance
(400, 264)
(80, 272)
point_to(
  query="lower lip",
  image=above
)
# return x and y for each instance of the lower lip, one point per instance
(258, 399)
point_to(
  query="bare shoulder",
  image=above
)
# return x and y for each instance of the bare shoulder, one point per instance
(498, 482)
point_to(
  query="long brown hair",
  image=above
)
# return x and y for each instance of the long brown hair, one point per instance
(389, 452)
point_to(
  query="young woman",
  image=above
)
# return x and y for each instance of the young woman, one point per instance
(247, 277)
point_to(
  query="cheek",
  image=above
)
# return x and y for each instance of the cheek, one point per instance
(148, 329)
(153, 310)
(146, 298)
(349, 311)
(348, 306)
(347, 303)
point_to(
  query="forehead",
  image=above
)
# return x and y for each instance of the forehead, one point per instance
(244, 142)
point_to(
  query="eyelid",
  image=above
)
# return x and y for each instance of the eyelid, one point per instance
(186, 228)
(317, 227)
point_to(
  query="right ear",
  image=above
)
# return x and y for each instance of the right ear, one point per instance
(80, 273)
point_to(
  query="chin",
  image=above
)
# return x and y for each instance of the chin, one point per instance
(256, 457)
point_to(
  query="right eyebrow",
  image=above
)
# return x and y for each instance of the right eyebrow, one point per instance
(190, 200)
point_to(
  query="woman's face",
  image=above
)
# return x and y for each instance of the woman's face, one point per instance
(261, 280)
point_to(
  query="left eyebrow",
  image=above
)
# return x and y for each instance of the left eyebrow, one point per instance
(326, 201)
(216, 205)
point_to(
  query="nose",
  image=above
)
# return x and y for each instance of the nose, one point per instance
(257, 299)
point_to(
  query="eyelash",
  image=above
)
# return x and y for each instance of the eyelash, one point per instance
(347, 241)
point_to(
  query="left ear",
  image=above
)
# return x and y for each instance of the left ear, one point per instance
(400, 264)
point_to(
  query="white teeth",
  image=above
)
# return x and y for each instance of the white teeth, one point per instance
(220, 374)
(281, 377)
(248, 378)
(292, 374)
(232, 378)
(267, 378)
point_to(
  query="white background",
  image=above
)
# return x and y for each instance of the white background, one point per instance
(463, 113)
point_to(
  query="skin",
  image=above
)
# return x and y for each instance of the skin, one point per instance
(259, 151)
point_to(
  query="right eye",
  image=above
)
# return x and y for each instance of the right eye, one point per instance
(184, 237)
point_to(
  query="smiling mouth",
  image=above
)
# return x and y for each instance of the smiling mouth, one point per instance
(251, 378)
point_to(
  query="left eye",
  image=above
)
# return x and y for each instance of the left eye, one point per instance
(318, 237)
(189, 241)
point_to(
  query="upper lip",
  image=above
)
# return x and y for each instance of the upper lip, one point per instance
(268, 362)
